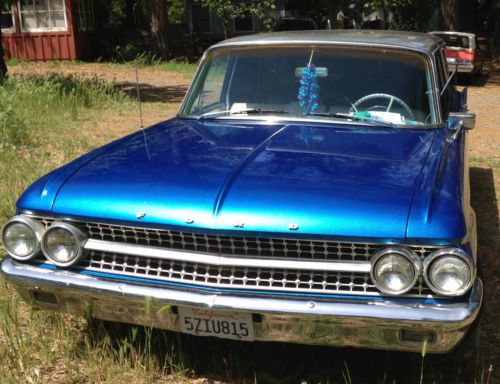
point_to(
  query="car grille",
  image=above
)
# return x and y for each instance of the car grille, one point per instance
(300, 281)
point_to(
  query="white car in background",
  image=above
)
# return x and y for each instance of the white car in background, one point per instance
(462, 52)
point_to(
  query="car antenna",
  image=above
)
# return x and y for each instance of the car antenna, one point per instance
(136, 65)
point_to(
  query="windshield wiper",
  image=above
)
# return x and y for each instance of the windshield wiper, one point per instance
(249, 111)
(382, 123)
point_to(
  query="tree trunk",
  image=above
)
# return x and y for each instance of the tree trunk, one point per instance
(158, 31)
(3, 66)
(225, 26)
(449, 9)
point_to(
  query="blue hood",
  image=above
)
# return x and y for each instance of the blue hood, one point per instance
(339, 180)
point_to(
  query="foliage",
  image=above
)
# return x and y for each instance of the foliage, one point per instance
(228, 9)
(176, 11)
(408, 15)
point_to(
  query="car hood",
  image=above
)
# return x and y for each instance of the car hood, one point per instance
(329, 179)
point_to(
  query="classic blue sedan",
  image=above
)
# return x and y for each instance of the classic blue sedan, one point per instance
(313, 188)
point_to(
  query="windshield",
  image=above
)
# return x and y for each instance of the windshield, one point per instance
(352, 83)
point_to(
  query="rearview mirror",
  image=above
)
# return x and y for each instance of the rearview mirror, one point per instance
(320, 71)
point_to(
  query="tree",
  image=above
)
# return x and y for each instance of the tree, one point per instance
(448, 10)
(233, 9)
(158, 28)
(408, 15)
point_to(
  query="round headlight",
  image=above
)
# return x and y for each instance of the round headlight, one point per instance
(21, 237)
(449, 272)
(394, 271)
(63, 244)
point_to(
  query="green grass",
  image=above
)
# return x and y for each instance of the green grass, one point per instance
(44, 124)
(179, 66)
(185, 68)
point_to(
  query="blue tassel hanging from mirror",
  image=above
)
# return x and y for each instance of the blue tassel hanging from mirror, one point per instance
(309, 90)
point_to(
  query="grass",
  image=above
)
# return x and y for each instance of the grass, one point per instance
(180, 66)
(47, 121)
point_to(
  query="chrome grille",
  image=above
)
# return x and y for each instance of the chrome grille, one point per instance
(234, 245)
(306, 281)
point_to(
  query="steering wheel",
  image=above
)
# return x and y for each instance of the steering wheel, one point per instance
(387, 108)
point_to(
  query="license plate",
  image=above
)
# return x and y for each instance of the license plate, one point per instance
(225, 325)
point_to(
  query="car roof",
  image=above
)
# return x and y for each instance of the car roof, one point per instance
(422, 42)
(470, 35)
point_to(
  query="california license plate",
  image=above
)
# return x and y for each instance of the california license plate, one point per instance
(225, 325)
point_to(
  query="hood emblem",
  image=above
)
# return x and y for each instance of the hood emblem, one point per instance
(293, 227)
(189, 220)
(140, 215)
(239, 224)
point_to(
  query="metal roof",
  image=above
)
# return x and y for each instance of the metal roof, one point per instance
(421, 42)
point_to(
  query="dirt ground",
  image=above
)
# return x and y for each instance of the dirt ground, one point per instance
(162, 91)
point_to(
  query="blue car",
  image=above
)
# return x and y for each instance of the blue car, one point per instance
(313, 189)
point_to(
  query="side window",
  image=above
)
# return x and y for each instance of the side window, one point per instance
(442, 69)
(450, 98)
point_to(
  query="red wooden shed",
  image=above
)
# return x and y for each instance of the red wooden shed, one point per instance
(49, 30)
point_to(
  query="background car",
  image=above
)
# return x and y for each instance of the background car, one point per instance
(462, 52)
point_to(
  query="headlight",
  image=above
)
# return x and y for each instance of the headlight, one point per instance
(449, 272)
(63, 244)
(21, 237)
(395, 270)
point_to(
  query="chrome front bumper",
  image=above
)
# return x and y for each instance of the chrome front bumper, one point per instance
(356, 322)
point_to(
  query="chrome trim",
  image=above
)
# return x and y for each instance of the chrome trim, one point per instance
(37, 228)
(411, 256)
(306, 320)
(80, 237)
(294, 42)
(219, 260)
(454, 252)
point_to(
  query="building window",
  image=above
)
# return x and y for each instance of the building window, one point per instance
(243, 24)
(7, 20)
(43, 15)
(85, 13)
(200, 18)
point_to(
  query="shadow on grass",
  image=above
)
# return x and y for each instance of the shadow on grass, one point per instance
(259, 362)
(150, 93)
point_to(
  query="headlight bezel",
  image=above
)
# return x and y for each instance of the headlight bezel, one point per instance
(404, 252)
(453, 252)
(80, 238)
(37, 228)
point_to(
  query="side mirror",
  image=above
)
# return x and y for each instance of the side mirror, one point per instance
(467, 119)
(459, 120)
